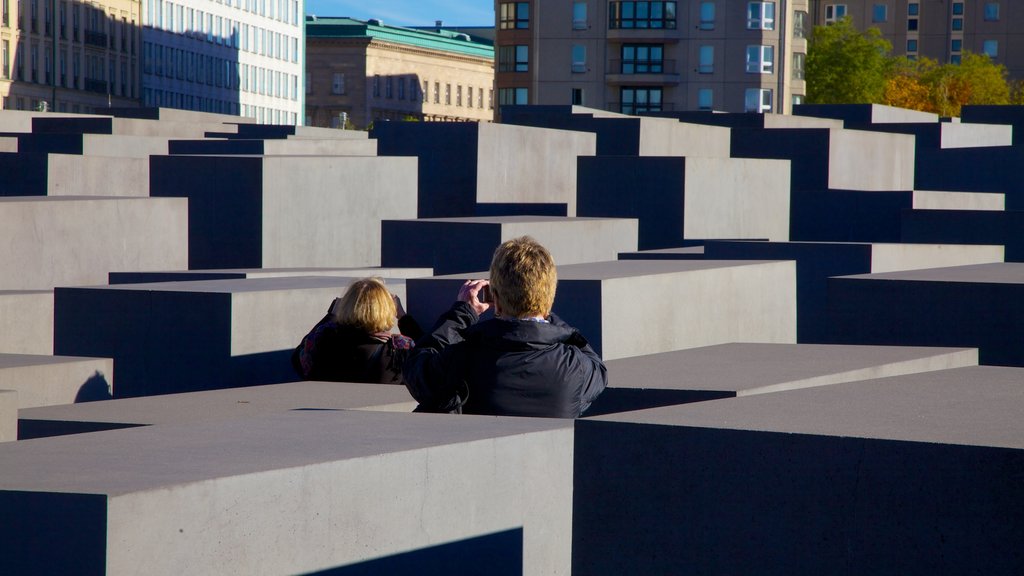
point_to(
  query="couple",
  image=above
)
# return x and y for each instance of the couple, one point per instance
(523, 362)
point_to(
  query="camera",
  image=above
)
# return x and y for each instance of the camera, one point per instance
(484, 295)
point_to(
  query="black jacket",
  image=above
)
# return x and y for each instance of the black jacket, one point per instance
(341, 353)
(504, 367)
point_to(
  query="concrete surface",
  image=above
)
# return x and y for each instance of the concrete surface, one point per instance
(861, 114)
(85, 238)
(941, 200)
(915, 474)
(286, 493)
(967, 227)
(73, 175)
(456, 245)
(8, 415)
(236, 274)
(26, 322)
(288, 147)
(50, 380)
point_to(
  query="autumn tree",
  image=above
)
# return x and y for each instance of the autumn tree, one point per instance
(846, 66)
(904, 88)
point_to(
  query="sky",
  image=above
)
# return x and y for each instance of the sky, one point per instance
(409, 12)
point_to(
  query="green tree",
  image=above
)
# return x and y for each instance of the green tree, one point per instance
(846, 66)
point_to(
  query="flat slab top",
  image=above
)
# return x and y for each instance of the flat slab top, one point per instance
(226, 404)
(73, 199)
(238, 285)
(995, 273)
(129, 460)
(270, 272)
(26, 360)
(758, 368)
(520, 219)
(977, 405)
(614, 269)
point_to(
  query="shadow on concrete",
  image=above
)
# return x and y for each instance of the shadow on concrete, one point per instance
(95, 388)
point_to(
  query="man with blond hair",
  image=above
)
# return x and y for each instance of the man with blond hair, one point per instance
(523, 362)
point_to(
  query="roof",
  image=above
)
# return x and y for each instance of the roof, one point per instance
(444, 40)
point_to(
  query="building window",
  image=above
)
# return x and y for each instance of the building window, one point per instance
(958, 24)
(798, 99)
(834, 12)
(437, 92)
(643, 58)
(401, 88)
(426, 91)
(638, 100)
(954, 59)
(760, 59)
(577, 96)
(579, 16)
(338, 84)
(579, 58)
(799, 24)
(376, 86)
(798, 65)
(707, 60)
(912, 45)
(913, 9)
(513, 96)
(912, 24)
(705, 99)
(958, 8)
(6, 59)
(758, 100)
(760, 15)
(641, 15)
(514, 15)
(707, 15)
(879, 13)
(458, 95)
(990, 48)
(480, 98)
(992, 11)
(448, 94)
(514, 58)
(956, 45)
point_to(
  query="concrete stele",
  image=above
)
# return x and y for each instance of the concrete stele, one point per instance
(51, 380)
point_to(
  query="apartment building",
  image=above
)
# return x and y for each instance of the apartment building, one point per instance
(69, 55)
(242, 57)
(360, 72)
(653, 56)
(939, 29)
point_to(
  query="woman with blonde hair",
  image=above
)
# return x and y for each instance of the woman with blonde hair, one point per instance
(354, 343)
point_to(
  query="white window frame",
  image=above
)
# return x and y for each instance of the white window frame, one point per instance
(758, 100)
(760, 59)
(834, 12)
(760, 15)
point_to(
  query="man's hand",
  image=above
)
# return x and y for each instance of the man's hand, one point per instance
(399, 311)
(468, 293)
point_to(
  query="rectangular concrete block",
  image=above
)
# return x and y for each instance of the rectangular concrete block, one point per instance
(26, 322)
(287, 147)
(125, 126)
(967, 227)
(679, 198)
(744, 369)
(632, 308)
(74, 240)
(72, 175)
(8, 415)
(210, 405)
(51, 380)
(186, 336)
(461, 164)
(915, 474)
(978, 306)
(862, 114)
(818, 261)
(454, 245)
(237, 274)
(273, 494)
(278, 212)
(942, 200)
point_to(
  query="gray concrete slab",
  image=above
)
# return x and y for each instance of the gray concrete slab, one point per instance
(866, 113)
(454, 245)
(8, 415)
(944, 200)
(978, 306)
(743, 369)
(76, 175)
(286, 211)
(211, 405)
(85, 238)
(915, 473)
(49, 380)
(287, 493)
(21, 120)
(26, 322)
(286, 147)
(206, 334)
(239, 273)
(631, 308)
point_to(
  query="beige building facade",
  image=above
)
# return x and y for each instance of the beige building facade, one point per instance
(363, 72)
(652, 56)
(942, 30)
(69, 56)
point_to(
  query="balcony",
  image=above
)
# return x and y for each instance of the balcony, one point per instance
(642, 72)
(97, 39)
(641, 109)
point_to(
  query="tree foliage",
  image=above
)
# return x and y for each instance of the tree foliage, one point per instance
(845, 66)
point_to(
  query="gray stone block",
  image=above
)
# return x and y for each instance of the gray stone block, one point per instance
(8, 416)
(457, 245)
(85, 238)
(288, 493)
(26, 322)
(632, 308)
(74, 175)
(186, 336)
(287, 147)
(238, 274)
(978, 306)
(210, 405)
(967, 227)
(866, 114)
(462, 163)
(50, 380)
(744, 369)
(681, 198)
(915, 474)
(280, 212)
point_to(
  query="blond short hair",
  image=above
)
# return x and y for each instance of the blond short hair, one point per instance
(367, 304)
(523, 278)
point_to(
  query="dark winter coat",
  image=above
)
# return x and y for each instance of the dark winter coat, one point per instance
(342, 353)
(504, 367)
